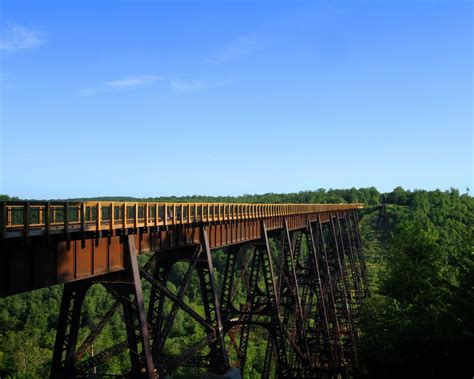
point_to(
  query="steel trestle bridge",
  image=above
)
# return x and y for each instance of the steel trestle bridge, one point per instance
(294, 276)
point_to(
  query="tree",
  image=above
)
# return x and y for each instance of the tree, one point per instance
(412, 326)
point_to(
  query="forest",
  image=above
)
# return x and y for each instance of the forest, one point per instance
(418, 321)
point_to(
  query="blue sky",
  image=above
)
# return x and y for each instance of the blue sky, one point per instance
(226, 98)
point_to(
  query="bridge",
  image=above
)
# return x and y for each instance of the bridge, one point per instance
(294, 276)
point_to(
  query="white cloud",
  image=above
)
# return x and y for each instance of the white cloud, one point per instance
(19, 38)
(122, 84)
(188, 86)
(236, 49)
(195, 85)
(177, 85)
(133, 81)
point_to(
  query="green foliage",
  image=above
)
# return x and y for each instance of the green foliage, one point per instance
(27, 323)
(7, 198)
(420, 319)
(369, 196)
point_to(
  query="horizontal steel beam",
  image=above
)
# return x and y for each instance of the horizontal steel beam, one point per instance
(34, 255)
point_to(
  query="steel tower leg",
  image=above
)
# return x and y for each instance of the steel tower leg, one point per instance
(328, 353)
(126, 287)
(344, 293)
(135, 317)
(278, 334)
(333, 309)
(68, 329)
(219, 358)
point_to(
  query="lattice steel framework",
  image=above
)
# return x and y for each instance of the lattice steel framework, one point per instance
(298, 290)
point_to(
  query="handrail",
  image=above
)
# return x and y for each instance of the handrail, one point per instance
(26, 217)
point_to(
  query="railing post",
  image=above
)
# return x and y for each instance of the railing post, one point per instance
(83, 217)
(47, 220)
(124, 216)
(66, 217)
(98, 217)
(146, 215)
(112, 217)
(26, 219)
(4, 219)
(135, 218)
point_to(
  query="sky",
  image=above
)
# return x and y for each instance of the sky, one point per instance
(142, 98)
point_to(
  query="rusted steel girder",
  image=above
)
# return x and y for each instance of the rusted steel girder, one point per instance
(36, 255)
(39, 218)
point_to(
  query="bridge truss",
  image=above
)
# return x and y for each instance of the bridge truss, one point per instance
(290, 285)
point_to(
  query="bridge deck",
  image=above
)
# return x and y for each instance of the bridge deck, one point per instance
(46, 243)
(33, 218)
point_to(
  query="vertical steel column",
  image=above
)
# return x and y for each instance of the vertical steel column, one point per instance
(322, 298)
(360, 253)
(252, 289)
(156, 306)
(297, 241)
(365, 275)
(135, 316)
(291, 268)
(273, 300)
(340, 359)
(340, 250)
(345, 290)
(355, 273)
(219, 358)
(68, 329)
(228, 281)
(267, 362)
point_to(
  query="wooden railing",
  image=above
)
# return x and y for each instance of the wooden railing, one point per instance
(25, 218)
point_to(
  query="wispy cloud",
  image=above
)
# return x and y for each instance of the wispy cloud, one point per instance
(195, 85)
(18, 37)
(124, 83)
(239, 48)
(133, 81)
(189, 85)
(177, 85)
(91, 91)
